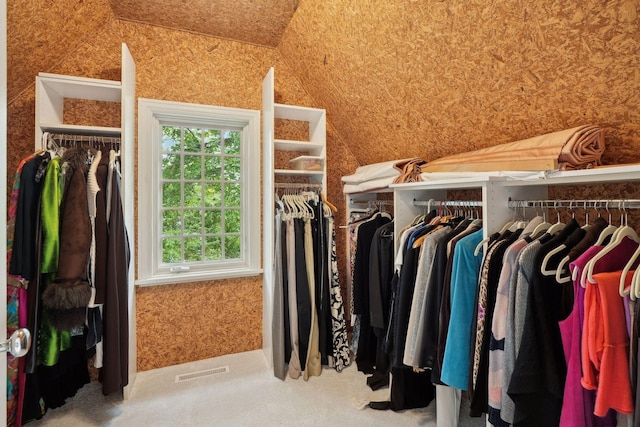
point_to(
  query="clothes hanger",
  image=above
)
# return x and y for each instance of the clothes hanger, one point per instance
(543, 226)
(328, 203)
(544, 267)
(563, 264)
(618, 237)
(508, 224)
(311, 214)
(558, 225)
(279, 202)
(634, 291)
(608, 231)
(623, 276)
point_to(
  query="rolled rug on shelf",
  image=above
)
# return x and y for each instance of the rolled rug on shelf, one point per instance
(576, 148)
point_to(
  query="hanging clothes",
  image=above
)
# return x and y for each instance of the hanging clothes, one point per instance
(309, 328)
(61, 235)
(15, 287)
(366, 355)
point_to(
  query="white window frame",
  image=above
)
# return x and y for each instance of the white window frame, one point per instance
(151, 114)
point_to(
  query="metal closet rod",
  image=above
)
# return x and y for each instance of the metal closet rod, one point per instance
(447, 203)
(62, 137)
(371, 202)
(577, 204)
(296, 185)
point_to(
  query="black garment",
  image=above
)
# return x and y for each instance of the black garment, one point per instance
(115, 371)
(285, 294)
(365, 359)
(323, 299)
(409, 390)
(480, 394)
(59, 382)
(402, 303)
(540, 369)
(303, 298)
(366, 231)
(380, 275)
(23, 259)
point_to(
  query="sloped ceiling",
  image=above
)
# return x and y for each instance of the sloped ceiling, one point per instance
(40, 33)
(260, 22)
(401, 78)
(424, 78)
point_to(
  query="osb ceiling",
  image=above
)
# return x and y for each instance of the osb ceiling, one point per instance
(400, 78)
(404, 78)
(260, 22)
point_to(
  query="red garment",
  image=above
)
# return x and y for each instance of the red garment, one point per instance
(605, 360)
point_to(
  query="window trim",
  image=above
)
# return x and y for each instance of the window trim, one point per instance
(151, 113)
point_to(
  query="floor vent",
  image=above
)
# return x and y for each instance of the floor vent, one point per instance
(201, 374)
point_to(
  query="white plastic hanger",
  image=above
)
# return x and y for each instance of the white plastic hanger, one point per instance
(635, 285)
(563, 264)
(623, 276)
(544, 267)
(543, 226)
(608, 231)
(618, 237)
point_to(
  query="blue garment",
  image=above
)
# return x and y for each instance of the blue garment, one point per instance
(464, 287)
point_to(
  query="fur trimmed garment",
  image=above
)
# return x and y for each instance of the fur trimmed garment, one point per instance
(67, 297)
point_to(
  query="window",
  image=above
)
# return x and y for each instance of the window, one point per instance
(198, 198)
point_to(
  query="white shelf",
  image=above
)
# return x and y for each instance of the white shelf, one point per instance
(290, 145)
(610, 174)
(294, 112)
(82, 87)
(449, 183)
(81, 130)
(294, 172)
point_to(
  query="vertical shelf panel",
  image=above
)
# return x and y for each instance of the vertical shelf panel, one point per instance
(268, 181)
(128, 120)
(315, 146)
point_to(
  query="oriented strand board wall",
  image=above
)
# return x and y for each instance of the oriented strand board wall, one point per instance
(414, 78)
(186, 322)
(42, 32)
(258, 22)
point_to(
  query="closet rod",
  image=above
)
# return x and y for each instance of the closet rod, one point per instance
(296, 185)
(371, 202)
(577, 204)
(85, 138)
(56, 140)
(448, 203)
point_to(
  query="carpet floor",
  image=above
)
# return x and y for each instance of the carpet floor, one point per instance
(247, 394)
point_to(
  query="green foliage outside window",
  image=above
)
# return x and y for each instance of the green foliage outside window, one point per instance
(201, 194)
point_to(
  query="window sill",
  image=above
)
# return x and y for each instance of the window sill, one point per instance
(204, 276)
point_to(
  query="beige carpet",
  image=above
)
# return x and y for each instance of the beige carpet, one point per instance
(247, 395)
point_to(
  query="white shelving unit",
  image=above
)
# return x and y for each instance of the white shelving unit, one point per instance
(315, 147)
(498, 190)
(51, 91)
